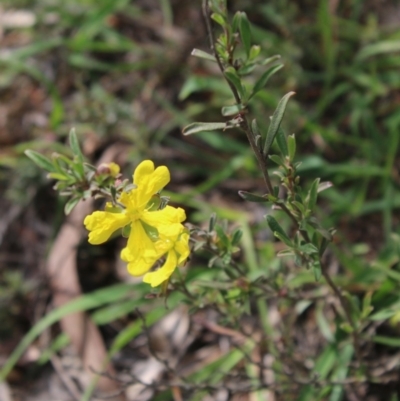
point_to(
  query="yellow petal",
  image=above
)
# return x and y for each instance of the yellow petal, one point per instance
(148, 181)
(166, 216)
(182, 247)
(102, 224)
(140, 252)
(159, 276)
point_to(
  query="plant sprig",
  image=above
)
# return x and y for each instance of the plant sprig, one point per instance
(310, 239)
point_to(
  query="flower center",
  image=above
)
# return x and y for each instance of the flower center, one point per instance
(134, 215)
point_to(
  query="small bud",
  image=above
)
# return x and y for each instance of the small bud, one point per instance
(108, 169)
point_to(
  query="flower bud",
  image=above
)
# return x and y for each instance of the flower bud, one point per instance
(108, 169)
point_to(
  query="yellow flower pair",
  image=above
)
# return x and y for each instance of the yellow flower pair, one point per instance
(153, 233)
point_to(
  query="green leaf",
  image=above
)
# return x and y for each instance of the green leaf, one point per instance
(222, 236)
(390, 341)
(341, 371)
(151, 231)
(234, 78)
(70, 205)
(275, 227)
(317, 270)
(245, 32)
(236, 236)
(285, 252)
(291, 142)
(112, 312)
(256, 131)
(309, 249)
(388, 46)
(276, 122)
(58, 176)
(213, 220)
(75, 147)
(345, 326)
(323, 324)
(277, 159)
(383, 314)
(283, 238)
(282, 143)
(367, 308)
(232, 110)
(271, 59)
(262, 81)
(300, 207)
(41, 161)
(200, 127)
(219, 19)
(201, 54)
(312, 195)
(252, 197)
(235, 22)
(134, 329)
(215, 371)
(254, 52)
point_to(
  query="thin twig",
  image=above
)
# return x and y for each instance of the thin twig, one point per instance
(66, 380)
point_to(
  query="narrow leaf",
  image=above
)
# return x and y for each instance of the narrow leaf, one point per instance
(58, 176)
(275, 227)
(271, 59)
(69, 206)
(262, 81)
(277, 159)
(200, 127)
(231, 110)
(283, 238)
(389, 341)
(309, 249)
(317, 270)
(213, 220)
(233, 77)
(312, 195)
(324, 185)
(282, 142)
(235, 22)
(276, 122)
(255, 130)
(75, 147)
(236, 236)
(219, 19)
(252, 197)
(291, 142)
(202, 54)
(245, 32)
(40, 160)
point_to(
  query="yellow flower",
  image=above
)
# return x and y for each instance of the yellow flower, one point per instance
(153, 233)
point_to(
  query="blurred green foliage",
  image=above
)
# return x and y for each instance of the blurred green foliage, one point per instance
(98, 73)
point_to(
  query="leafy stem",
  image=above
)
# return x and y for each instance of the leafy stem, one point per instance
(261, 157)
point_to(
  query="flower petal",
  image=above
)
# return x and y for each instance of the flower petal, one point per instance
(166, 216)
(164, 273)
(102, 224)
(182, 247)
(140, 252)
(148, 181)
